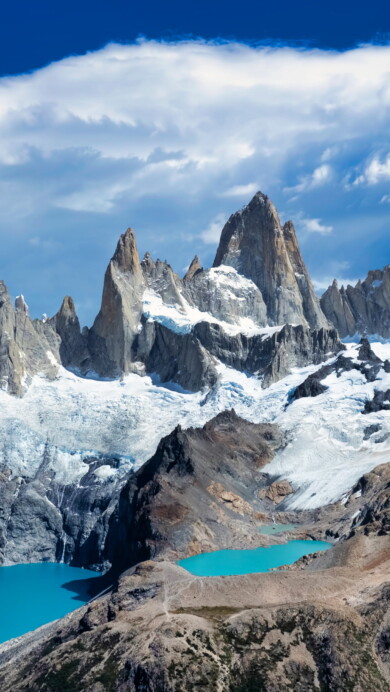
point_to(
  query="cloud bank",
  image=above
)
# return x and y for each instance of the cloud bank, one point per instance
(171, 138)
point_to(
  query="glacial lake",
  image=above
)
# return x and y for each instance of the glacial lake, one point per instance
(230, 562)
(35, 594)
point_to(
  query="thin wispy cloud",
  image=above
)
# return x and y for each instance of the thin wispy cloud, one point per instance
(173, 137)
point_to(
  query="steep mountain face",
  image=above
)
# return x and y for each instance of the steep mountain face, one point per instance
(364, 308)
(254, 242)
(26, 347)
(151, 320)
(113, 332)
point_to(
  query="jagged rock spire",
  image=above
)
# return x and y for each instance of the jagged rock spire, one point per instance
(362, 308)
(126, 255)
(255, 243)
(194, 267)
(116, 326)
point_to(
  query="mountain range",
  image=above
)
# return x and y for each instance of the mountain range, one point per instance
(192, 410)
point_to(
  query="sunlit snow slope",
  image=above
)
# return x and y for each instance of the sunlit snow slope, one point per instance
(71, 417)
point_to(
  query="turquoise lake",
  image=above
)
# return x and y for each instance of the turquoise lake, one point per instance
(33, 595)
(229, 562)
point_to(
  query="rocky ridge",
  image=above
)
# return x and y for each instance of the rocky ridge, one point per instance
(152, 321)
(361, 309)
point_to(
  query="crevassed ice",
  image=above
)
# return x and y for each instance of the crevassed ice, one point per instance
(71, 418)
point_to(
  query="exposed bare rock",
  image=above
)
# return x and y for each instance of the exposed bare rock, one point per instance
(277, 491)
(112, 335)
(364, 308)
(174, 357)
(160, 277)
(161, 505)
(254, 242)
(24, 351)
(232, 500)
(194, 267)
(73, 347)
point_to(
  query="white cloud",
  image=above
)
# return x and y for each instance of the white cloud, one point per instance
(164, 136)
(216, 106)
(212, 233)
(376, 171)
(320, 176)
(315, 226)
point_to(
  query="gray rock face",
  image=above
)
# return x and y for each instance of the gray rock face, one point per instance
(112, 335)
(174, 357)
(73, 350)
(190, 359)
(24, 349)
(194, 267)
(255, 243)
(364, 308)
(43, 520)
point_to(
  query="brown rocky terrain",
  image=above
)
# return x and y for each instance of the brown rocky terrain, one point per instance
(322, 624)
(163, 630)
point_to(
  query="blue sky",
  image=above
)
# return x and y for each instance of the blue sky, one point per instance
(171, 133)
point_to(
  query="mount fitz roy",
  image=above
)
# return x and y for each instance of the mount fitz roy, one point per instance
(153, 321)
(192, 411)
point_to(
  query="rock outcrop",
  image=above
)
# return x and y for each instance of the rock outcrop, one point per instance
(112, 335)
(360, 309)
(25, 346)
(254, 242)
(73, 347)
(43, 519)
(170, 506)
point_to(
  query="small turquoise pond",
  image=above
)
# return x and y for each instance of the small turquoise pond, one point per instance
(33, 595)
(270, 529)
(228, 562)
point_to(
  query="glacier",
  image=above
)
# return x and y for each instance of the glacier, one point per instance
(71, 418)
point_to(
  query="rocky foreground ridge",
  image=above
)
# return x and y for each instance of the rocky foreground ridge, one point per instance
(321, 625)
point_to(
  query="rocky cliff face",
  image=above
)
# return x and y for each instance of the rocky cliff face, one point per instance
(254, 242)
(364, 308)
(26, 347)
(113, 332)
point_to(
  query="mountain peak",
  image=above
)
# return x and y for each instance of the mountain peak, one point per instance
(67, 307)
(194, 267)
(254, 242)
(126, 255)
